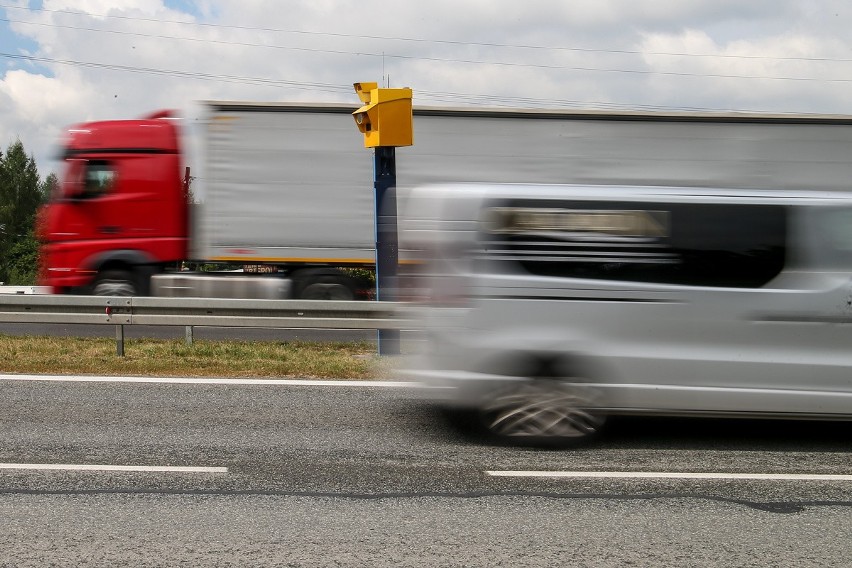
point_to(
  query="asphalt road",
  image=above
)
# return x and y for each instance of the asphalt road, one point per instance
(360, 475)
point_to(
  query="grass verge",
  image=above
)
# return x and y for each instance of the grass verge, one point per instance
(173, 358)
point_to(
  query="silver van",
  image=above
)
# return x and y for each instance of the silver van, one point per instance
(548, 308)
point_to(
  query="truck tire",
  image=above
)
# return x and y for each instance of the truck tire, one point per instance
(323, 285)
(327, 288)
(115, 283)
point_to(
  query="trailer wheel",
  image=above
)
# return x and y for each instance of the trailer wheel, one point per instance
(323, 284)
(114, 283)
(327, 288)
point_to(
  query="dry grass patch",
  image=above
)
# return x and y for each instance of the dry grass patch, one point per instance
(173, 358)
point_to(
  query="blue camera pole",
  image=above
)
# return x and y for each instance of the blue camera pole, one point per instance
(387, 240)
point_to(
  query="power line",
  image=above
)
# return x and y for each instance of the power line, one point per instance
(182, 74)
(406, 39)
(384, 55)
(520, 65)
(624, 71)
(192, 39)
(464, 98)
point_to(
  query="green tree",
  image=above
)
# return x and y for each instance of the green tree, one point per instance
(21, 194)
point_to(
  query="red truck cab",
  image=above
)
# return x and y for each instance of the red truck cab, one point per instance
(121, 211)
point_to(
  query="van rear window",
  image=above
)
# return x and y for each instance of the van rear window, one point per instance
(723, 245)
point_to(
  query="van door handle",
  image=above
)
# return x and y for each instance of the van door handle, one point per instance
(109, 229)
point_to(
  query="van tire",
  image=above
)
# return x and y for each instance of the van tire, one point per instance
(543, 412)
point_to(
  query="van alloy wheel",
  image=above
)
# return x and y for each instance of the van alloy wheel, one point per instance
(543, 411)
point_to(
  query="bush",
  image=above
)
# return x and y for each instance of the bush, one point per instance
(21, 194)
(22, 262)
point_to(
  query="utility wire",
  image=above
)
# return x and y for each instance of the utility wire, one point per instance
(182, 74)
(522, 65)
(407, 39)
(422, 95)
(431, 59)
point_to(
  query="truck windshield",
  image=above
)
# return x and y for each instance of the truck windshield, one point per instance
(86, 179)
(98, 179)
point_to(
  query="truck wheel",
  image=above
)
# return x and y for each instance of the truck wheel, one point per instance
(327, 288)
(114, 283)
(323, 284)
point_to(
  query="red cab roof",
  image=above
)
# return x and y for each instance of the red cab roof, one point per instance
(155, 133)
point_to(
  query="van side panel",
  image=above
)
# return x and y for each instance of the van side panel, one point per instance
(668, 300)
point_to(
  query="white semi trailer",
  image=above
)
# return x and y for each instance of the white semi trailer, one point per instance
(289, 186)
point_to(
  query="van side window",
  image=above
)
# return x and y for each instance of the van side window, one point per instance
(98, 179)
(722, 245)
(833, 232)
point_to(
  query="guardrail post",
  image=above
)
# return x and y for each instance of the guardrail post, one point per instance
(188, 334)
(119, 340)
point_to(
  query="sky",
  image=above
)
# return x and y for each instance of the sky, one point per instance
(68, 61)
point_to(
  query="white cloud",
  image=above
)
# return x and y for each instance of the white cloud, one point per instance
(148, 56)
(102, 8)
(786, 72)
(39, 99)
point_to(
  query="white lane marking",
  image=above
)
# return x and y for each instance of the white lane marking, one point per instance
(673, 475)
(208, 381)
(110, 467)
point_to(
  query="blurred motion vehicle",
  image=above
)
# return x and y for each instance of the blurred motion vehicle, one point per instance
(285, 196)
(549, 307)
(275, 218)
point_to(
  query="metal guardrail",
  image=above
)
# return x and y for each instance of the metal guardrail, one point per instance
(24, 289)
(190, 312)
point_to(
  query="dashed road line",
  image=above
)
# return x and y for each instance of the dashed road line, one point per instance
(672, 475)
(111, 467)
